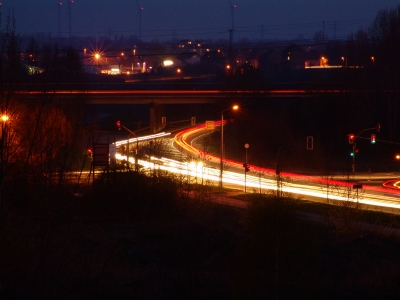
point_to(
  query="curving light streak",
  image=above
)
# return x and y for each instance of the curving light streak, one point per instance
(142, 138)
(192, 171)
(392, 184)
(296, 184)
(181, 140)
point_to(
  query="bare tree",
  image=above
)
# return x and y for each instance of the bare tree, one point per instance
(345, 210)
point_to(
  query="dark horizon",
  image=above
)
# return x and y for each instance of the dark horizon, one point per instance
(252, 19)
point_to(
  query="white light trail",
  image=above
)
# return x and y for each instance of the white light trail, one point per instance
(199, 171)
(195, 171)
(143, 138)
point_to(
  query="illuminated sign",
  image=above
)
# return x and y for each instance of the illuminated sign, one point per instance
(210, 125)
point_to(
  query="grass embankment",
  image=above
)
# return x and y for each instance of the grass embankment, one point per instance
(371, 215)
(154, 237)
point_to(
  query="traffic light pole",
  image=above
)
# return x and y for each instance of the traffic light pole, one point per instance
(352, 140)
(222, 151)
(246, 146)
(353, 165)
(245, 175)
(221, 157)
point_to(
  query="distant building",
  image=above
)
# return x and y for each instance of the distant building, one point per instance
(187, 58)
(293, 57)
(247, 57)
(270, 61)
(312, 58)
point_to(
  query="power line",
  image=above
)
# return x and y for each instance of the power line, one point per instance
(270, 29)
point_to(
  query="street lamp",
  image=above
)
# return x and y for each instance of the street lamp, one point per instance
(246, 146)
(4, 119)
(97, 58)
(69, 15)
(235, 107)
(233, 7)
(59, 8)
(119, 125)
(140, 20)
(136, 151)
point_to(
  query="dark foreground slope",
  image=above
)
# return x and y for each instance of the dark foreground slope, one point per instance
(129, 236)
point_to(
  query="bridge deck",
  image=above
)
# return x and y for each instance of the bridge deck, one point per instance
(167, 96)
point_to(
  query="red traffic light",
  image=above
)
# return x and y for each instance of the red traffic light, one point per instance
(118, 125)
(352, 137)
(373, 138)
(246, 167)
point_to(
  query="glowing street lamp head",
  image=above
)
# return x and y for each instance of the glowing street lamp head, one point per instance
(97, 56)
(4, 118)
(235, 107)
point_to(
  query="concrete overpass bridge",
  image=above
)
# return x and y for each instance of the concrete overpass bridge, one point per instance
(157, 99)
(165, 96)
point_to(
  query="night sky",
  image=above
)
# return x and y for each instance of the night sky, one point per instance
(184, 19)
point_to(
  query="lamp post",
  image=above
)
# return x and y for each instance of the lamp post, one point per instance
(140, 20)
(246, 146)
(235, 107)
(97, 57)
(278, 174)
(136, 151)
(69, 15)
(1, 4)
(59, 9)
(233, 16)
(4, 119)
(119, 125)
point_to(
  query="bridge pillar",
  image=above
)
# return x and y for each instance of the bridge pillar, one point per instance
(156, 114)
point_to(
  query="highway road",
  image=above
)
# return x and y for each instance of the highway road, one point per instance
(203, 167)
